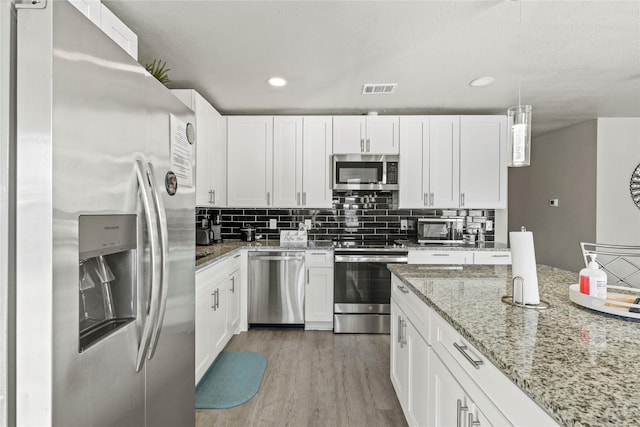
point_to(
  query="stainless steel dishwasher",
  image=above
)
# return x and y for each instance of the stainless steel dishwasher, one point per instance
(276, 288)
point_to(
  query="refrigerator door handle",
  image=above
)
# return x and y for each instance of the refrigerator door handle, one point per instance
(144, 181)
(164, 266)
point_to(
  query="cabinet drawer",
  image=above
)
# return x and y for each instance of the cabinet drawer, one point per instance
(416, 310)
(319, 259)
(490, 388)
(492, 257)
(233, 263)
(212, 273)
(440, 257)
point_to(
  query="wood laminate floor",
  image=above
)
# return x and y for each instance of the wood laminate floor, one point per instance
(315, 378)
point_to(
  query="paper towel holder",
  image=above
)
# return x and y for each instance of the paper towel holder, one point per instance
(511, 299)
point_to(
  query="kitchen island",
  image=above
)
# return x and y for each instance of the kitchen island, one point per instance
(579, 366)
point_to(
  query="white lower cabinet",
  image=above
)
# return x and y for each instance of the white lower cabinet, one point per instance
(442, 380)
(318, 293)
(449, 404)
(459, 257)
(217, 306)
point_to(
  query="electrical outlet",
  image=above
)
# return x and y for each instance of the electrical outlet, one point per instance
(488, 226)
(403, 224)
(554, 202)
(307, 224)
(273, 224)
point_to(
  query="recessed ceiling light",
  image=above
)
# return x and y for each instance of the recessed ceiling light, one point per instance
(481, 81)
(277, 81)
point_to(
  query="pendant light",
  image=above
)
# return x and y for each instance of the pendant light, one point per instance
(519, 119)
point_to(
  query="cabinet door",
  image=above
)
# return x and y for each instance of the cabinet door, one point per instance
(216, 157)
(448, 403)
(399, 359)
(233, 303)
(443, 170)
(220, 331)
(483, 166)
(92, 9)
(317, 189)
(418, 354)
(318, 296)
(249, 161)
(119, 32)
(287, 161)
(204, 306)
(414, 143)
(348, 134)
(382, 135)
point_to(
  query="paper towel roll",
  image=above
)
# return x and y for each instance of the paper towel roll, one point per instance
(523, 264)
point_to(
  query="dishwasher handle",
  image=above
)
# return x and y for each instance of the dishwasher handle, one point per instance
(277, 258)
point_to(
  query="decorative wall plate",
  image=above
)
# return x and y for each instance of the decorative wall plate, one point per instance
(634, 186)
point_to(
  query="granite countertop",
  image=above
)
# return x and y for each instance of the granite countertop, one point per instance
(218, 251)
(579, 365)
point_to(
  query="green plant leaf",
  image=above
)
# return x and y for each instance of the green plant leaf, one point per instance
(158, 70)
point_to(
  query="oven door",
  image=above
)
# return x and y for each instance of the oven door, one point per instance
(362, 292)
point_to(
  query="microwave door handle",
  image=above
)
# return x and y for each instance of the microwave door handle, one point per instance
(164, 264)
(144, 181)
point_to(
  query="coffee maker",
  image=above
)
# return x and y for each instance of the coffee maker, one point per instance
(209, 231)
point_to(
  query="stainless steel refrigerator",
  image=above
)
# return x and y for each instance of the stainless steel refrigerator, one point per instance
(104, 248)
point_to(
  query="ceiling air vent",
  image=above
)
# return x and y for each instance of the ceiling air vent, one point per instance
(378, 88)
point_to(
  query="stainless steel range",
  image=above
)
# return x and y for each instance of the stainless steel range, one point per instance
(362, 285)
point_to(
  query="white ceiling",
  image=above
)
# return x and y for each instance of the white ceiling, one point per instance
(578, 59)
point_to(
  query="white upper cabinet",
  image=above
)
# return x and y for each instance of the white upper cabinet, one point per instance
(119, 32)
(287, 161)
(249, 161)
(443, 163)
(109, 23)
(366, 134)
(429, 168)
(90, 8)
(317, 191)
(453, 161)
(211, 148)
(483, 162)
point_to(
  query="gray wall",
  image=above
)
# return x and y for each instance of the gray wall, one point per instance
(563, 166)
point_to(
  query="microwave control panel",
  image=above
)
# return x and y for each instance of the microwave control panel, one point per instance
(392, 172)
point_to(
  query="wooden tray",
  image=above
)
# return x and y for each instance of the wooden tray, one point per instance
(616, 303)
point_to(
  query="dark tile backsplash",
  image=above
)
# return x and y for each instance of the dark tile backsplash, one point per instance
(361, 215)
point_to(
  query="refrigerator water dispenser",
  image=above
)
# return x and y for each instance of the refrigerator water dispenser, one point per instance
(107, 275)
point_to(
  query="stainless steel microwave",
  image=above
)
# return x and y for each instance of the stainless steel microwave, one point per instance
(365, 172)
(440, 230)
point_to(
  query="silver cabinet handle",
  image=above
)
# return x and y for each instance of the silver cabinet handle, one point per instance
(233, 285)
(461, 408)
(368, 145)
(268, 198)
(399, 329)
(426, 199)
(463, 349)
(402, 289)
(304, 198)
(362, 145)
(211, 197)
(500, 256)
(461, 199)
(308, 279)
(217, 298)
(213, 192)
(298, 198)
(213, 300)
(431, 199)
(404, 333)
(471, 422)
(440, 254)
(236, 256)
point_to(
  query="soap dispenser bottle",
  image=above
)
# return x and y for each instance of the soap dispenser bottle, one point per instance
(593, 281)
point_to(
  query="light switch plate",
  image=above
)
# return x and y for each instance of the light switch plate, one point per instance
(307, 224)
(403, 224)
(273, 224)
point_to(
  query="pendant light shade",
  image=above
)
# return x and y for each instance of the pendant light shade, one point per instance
(519, 141)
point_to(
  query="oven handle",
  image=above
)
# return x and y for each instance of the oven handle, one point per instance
(371, 258)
